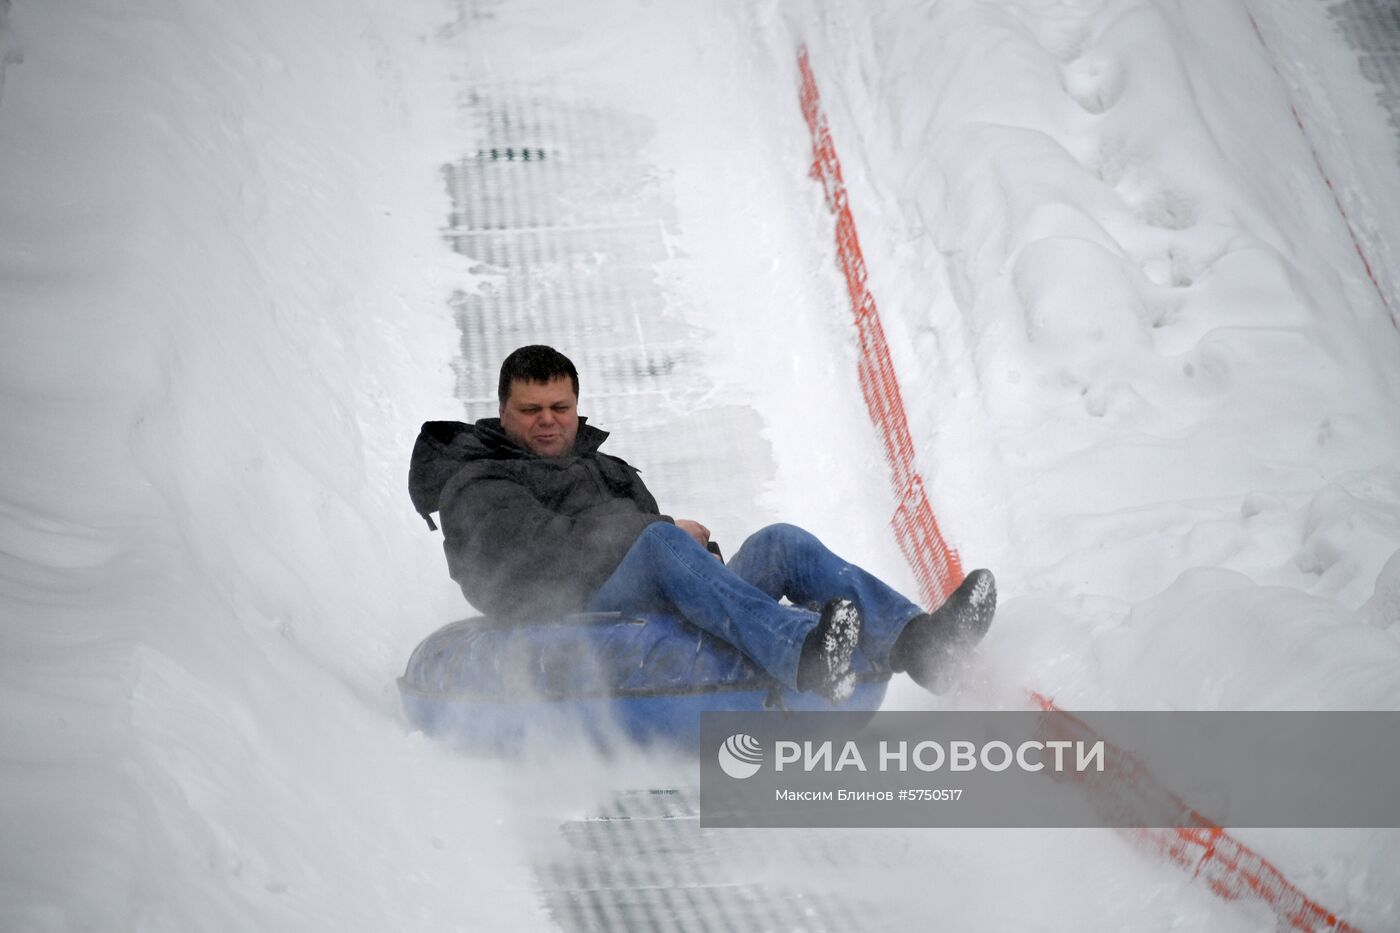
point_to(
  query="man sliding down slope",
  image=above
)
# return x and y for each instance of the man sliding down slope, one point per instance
(539, 524)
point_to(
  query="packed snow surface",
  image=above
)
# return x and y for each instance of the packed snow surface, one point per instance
(1149, 381)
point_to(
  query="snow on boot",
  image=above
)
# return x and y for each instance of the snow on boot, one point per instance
(934, 644)
(825, 665)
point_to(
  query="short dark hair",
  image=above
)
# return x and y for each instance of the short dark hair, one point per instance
(535, 363)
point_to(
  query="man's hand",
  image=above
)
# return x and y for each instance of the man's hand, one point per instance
(696, 530)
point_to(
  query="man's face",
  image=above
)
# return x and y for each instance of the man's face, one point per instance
(542, 416)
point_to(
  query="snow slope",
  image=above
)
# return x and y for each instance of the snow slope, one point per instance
(1160, 350)
(1148, 378)
(222, 312)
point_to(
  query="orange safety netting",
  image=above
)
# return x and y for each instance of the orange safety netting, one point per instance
(935, 565)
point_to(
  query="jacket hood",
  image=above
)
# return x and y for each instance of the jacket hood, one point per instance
(444, 447)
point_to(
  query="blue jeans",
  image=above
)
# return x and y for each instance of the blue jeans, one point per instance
(667, 570)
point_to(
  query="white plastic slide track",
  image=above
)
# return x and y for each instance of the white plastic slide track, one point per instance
(569, 223)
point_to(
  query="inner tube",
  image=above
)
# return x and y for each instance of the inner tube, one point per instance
(640, 677)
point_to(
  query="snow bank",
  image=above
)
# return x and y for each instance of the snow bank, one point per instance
(224, 310)
(1151, 381)
(1149, 341)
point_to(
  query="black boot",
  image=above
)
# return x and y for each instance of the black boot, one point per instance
(932, 645)
(825, 665)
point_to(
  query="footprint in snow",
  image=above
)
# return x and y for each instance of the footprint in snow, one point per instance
(1169, 209)
(1095, 82)
(1173, 270)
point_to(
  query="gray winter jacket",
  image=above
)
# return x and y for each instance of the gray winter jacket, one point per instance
(527, 537)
